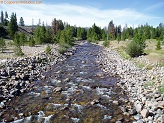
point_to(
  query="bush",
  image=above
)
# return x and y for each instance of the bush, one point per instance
(48, 49)
(135, 49)
(106, 43)
(158, 46)
(2, 44)
(31, 42)
(63, 47)
(18, 51)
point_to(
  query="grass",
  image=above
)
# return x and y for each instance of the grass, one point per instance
(140, 65)
(149, 84)
(63, 47)
(161, 89)
(154, 56)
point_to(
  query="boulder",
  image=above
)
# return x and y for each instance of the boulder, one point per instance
(145, 113)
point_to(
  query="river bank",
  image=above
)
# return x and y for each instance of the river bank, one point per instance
(141, 84)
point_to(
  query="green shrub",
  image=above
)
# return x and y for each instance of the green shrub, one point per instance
(106, 43)
(161, 89)
(135, 49)
(158, 46)
(31, 42)
(48, 49)
(2, 44)
(18, 51)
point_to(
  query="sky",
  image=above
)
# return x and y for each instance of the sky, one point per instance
(85, 13)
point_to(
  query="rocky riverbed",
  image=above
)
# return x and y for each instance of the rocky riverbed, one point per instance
(141, 83)
(86, 84)
(17, 75)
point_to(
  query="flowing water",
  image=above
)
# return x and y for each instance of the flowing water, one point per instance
(74, 91)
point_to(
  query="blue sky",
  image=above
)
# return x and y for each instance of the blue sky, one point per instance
(86, 12)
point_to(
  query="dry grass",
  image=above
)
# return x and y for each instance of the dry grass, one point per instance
(28, 51)
(154, 56)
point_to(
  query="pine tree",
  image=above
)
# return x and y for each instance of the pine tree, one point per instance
(22, 38)
(12, 26)
(16, 39)
(111, 29)
(2, 17)
(5, 23)
(21, 22)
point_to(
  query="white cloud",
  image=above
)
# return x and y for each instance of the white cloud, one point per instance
(83, 16)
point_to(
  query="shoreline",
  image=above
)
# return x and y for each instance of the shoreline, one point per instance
(147, 100)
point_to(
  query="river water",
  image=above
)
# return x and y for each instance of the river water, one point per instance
(74, 91)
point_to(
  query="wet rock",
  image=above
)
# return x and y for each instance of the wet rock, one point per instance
(58, 89)
(2, 105)
(8, 119)
(83, 62)
(145, 113)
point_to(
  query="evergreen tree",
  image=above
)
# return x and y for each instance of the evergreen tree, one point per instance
(48, 37)
(61, 25)
(5, 23)
(12, 26)
(17, 39)
(81, 33)
(21, 22)
(31, 42)
(136, 47)
(2, 18)
(94, 33)
(22, 39)
(158, 46)
(2, 44)
(111, 29)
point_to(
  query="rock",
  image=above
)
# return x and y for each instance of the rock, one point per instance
(3, 72)
(2, 105)
(138, 107)
(140, 121)
(137, 117)
(145, 113)
(66, 80)
(115, 102)
(8, 119)
(118, 122)
(83, 62)
(95, 101)
(58, 89)
(133, 111)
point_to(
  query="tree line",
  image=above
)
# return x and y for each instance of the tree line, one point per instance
(64, 34)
